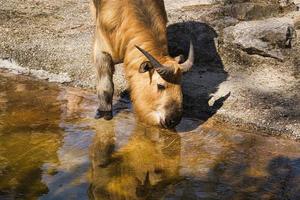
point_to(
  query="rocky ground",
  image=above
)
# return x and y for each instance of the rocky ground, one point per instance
(247, 66)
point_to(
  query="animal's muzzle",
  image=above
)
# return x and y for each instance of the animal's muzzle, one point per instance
(173, 116)
(171, 122)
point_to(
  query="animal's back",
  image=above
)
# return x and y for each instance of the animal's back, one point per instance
(125, 23)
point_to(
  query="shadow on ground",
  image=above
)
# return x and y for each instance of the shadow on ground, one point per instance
(208, 71)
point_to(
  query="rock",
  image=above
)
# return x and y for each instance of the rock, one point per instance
(297, 22)
(252, 11)
(264, 37)
(297, 3)
(173, 5)
(289, 2)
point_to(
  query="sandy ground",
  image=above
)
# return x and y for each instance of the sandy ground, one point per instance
(53, 40)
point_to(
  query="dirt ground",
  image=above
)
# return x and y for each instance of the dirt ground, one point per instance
(53, 40)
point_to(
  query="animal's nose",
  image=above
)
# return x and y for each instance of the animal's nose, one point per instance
(172, 120)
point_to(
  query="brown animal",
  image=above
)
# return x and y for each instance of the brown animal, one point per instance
(134, 32)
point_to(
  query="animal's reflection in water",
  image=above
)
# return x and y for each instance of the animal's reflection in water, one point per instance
(133, 164)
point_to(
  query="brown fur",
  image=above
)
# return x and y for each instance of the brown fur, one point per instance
(120, 25)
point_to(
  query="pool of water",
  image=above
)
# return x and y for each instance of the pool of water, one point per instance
(52, 148)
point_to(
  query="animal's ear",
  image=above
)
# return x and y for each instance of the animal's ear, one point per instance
(145, 67)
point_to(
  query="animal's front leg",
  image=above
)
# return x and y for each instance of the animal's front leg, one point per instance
(105, 86)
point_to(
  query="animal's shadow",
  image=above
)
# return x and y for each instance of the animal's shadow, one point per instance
(206, 75)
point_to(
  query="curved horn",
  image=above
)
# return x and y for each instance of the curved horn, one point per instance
(163, 71)
(187, 65)
(152, 60)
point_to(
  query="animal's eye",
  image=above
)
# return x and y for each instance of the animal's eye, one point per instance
(160, 87)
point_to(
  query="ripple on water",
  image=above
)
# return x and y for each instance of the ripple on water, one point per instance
(52, 148)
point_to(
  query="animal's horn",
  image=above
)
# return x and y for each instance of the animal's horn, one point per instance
(153, 61)
(163, 71)
(187, 65)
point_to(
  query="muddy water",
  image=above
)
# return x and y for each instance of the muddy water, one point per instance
(52, 148)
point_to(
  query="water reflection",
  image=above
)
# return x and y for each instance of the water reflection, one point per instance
(52, 148)
(139, 164)
(29, 137)
(70, 179)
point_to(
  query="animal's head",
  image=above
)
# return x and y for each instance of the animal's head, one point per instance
(158, 97)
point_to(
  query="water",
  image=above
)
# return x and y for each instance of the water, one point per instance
(52, 148)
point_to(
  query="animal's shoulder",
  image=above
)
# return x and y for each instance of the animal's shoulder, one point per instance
(110, 14)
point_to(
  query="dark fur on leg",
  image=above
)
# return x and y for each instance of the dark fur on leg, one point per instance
(107, 115)
(105, 85)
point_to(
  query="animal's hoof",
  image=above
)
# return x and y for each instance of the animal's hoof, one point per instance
(107, 115)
